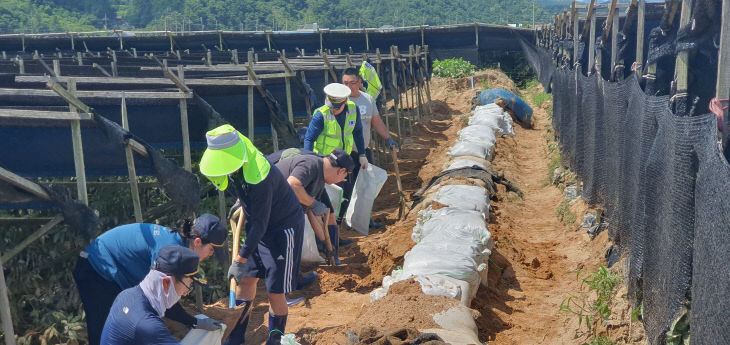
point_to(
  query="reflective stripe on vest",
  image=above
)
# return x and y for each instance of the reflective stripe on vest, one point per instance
(370, 76)
(332, 136)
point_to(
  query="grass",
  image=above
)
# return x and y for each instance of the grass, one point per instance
(602, 340)
(563, 213)
(593, 303)
(452, 68)
(485, 84)
(514, 198)
(540, 98)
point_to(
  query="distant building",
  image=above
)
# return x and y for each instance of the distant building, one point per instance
(308, 27)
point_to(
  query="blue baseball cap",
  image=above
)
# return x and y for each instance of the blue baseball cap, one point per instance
(179, 261)
(211, 230)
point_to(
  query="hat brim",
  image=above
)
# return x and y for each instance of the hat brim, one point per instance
(223, 161)
(199, 280)
(221, 253)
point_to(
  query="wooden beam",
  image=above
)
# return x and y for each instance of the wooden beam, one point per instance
(287, 85)
(78, 150)
(69, 95)
(329, 67)
(5, 316)
(24, 184)
(251, 123)
(101, 69)
(722, 90)
(396, 92)
(614, 47)
(137, 81)
(609, 20)
(43, 115)
(576, 24)
(32, 238)
(589, 17)
(136, 204)
(97, 94)
(592, 46)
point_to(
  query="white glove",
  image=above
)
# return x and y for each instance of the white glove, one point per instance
(364, 162)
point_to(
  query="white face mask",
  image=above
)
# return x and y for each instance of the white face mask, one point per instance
(154, 290)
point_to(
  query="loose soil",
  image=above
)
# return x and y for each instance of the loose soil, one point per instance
(532, 270)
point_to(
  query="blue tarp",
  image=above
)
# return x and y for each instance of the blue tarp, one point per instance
(514, 103)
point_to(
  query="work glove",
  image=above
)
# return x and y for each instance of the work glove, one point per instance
(393, 144)
(364, 162)
(207, 324)
(318, 208)
(236, 271)
(233, 209)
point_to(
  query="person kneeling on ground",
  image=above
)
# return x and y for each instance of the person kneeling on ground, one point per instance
(272, 249)
(136, 315)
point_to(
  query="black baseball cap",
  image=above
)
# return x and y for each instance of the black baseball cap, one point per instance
(179, 261)
(211, 230)
(341, 159)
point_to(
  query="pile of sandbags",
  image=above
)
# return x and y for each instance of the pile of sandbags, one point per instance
(487, 123)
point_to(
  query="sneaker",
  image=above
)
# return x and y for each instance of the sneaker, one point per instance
(296, 301)
(345, 241)
(306, 280)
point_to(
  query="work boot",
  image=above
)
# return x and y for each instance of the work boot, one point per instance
(334, 231)
(238, 335)
(306, 280)
(277, 324)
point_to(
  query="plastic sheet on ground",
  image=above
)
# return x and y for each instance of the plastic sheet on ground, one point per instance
(464, 197)
(203, 337)
(367, 186)
(514, 103)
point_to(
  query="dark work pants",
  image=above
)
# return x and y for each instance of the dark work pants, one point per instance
(97, 294)
(349, 184)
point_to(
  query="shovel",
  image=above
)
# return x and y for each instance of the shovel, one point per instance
(401, 196)
(236, 226)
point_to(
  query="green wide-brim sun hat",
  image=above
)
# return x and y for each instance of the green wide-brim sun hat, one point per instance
(225, 153)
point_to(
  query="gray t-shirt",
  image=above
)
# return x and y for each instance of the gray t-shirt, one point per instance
(368, 109)
(308, 169)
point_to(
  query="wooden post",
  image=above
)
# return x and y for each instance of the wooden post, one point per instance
(682, 64)
(57, 67)
(268, 39)
(367, 41)
(21, 65)
(250, 113)
(321, 45)
(396, 93)
(187, 162)
(592, 46)
(427, 82)
(208, 58)
(722, 90)
(476, 35)
(274, 138)
(134, 52)
(5, 315)
(73, 45)
(130, 166)
(79, 57)
(115, 72)
(22, 39)
(423, 37)
(78, 150)
(576, 26)
(234, 56)
(640, 37)
(287, 84)
(614, 46)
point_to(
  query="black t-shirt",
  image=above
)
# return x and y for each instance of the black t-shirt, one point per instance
(308, 169)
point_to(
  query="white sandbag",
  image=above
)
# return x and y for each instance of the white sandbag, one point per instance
(464, 197)
(508, 127)
(309, 246)
(465, 163)
(289, 339)
(471, 148)
(335, 193)
(457, 326)
(456, 261)
(478, 134)
(203, 337)
(493, 118)
(367, 186)
(466, 227)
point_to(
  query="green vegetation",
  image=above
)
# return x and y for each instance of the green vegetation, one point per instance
(67, 15)
(564, 213)
(600, 340)
(452, 68)
(540, 98)
(593, 304)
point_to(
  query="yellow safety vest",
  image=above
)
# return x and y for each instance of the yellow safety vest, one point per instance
(370, 76)
(332, 136)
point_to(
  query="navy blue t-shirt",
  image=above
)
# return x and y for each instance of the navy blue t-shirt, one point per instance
(132, 320)
(270, 205)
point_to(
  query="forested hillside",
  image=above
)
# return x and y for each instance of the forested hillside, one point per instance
(32, 16)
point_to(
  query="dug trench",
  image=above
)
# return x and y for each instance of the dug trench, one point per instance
(531, 271)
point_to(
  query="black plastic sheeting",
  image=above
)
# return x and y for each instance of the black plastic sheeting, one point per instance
(663, 183)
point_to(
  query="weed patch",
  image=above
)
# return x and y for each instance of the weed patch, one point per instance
(593, 304)
(452, 68)
(564, 214)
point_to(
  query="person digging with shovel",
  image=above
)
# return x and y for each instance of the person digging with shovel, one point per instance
(274, 225)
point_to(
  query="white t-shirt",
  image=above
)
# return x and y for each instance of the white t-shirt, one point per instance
(368, 109)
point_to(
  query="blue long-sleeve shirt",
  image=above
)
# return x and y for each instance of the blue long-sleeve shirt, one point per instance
(316, 126)
(133, 321)
(269, 206)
